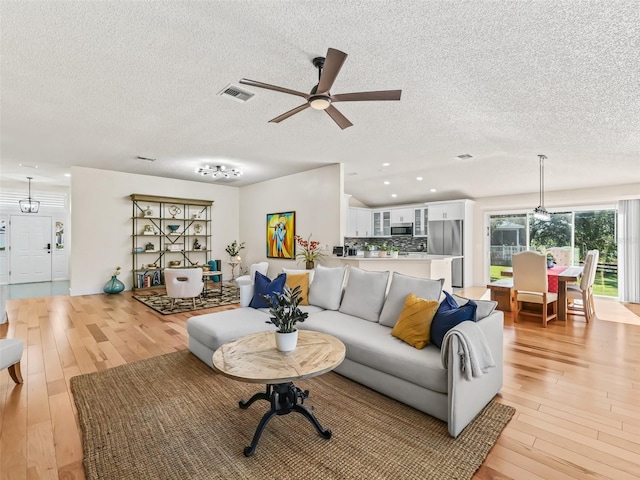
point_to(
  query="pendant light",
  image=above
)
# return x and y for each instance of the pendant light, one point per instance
(28, 205)
(541, 213)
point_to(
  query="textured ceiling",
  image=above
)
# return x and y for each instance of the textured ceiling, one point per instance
(96, 84)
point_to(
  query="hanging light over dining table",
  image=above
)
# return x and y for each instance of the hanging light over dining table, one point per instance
(540, 212)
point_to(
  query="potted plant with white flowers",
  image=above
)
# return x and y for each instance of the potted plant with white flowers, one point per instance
(285, 313)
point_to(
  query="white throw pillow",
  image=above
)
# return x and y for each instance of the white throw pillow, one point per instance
(485, 307)
(403, 285)
(326, 289)
(296, 272)
(364, 294)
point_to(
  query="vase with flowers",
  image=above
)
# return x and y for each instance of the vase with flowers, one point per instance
(311, 251)
(233, 250)
(114, 285)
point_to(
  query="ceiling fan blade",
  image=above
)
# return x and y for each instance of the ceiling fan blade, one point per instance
(364, 96)
(340, 119)
(253, 83)
(332, 65)
(293, 111)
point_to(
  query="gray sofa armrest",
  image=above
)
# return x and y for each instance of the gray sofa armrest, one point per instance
(467, 398)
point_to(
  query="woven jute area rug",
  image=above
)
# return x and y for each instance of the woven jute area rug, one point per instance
(172, 417)
(161, 303)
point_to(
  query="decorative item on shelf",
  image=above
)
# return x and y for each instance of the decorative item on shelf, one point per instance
(233, 249)
(174, 210)
(152, 265)
(197, 228)
(138, 249)
(173, 228)
(175, 247)
(147, 212)
(174, 263)
(114, 285)
(284, 311)
(311, 251)
(195, 216)
(149, 247)
(148, 230)
(196, 244)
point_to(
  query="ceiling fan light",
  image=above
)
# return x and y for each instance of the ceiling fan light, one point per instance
(319, 102)
(541, 213)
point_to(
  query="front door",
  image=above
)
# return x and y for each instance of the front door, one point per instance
(30, 249)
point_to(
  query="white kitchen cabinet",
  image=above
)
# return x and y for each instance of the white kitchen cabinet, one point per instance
(359, 222)
(446, 211)
(381, 223)
(420, 219)
(402, 215)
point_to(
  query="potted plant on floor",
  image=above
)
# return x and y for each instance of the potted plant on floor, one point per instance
(285, 313)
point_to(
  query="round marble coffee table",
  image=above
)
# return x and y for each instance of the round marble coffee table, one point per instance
(255, 359)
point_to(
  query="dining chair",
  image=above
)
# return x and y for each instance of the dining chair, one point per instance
(183, 283)
(530, 285)
(583, 292)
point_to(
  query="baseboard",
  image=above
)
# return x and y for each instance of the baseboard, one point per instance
(74, 292)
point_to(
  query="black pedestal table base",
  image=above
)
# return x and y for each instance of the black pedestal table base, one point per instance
(284, 398)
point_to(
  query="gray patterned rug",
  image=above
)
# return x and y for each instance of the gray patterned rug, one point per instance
(161, 303)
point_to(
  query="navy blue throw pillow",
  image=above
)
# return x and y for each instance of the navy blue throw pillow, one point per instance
(449, 303)
(445, 321)
(263, 286)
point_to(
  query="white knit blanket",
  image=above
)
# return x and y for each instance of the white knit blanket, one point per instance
(475, 356)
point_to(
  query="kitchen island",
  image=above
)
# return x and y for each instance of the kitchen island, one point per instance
(421, 265)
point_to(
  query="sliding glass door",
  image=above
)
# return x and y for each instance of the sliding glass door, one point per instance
(567, 237)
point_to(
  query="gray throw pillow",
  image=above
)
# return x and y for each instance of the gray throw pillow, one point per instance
(364, 294)
(326, 289)
(485, 307)
(403, 285)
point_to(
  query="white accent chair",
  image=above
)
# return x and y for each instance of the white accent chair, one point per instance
(261, 267)
(584, 291)
(530, 285)
(183, 283)
(10, 356)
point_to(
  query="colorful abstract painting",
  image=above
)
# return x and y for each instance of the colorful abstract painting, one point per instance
(281, 228)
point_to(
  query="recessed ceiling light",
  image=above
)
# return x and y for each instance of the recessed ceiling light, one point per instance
(419, 179)
(433, 190)
(464, 156)
(394, 195)
(386, 164)
(67, 174)
(386, 182)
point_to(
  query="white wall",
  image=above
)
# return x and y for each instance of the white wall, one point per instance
(554, 201)
(101, 221)
(316, 197)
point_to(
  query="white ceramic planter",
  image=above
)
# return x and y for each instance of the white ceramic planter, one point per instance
(286, 342)
(393, 254)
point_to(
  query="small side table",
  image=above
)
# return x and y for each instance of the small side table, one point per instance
(233, 272)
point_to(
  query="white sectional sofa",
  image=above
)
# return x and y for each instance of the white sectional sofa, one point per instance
(362, 314)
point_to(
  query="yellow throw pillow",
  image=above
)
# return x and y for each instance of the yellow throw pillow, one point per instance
(301, 280)
(414, 324)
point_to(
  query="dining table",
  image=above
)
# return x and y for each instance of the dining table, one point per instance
(558, 277)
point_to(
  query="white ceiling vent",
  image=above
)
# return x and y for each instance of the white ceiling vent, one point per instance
(237, 93)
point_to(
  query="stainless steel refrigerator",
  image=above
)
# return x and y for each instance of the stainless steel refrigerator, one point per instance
(445, 238)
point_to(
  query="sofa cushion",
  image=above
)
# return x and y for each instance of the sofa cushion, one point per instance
(403, 285)
(485, 307)
(311, 272)
(326, 289)
(215, 329)
(372, 344)
(299, 280)
(364, 294)
(446, 320)
(414, 324)
(264, 286)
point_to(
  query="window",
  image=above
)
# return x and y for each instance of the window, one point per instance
(568, 236)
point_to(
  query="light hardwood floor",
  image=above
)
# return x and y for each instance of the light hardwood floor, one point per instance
(576, 387)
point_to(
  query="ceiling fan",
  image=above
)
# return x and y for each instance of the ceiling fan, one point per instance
(319, 98)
